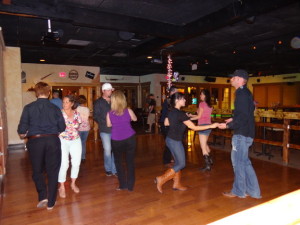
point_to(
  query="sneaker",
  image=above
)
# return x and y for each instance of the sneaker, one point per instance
(50, 208)
(108, 174)
(115, 174)
(42, 204)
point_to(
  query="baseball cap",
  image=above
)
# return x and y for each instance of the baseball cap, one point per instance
(107, 86)
(240, 73)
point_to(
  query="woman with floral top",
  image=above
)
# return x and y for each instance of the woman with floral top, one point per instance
(84, 127)
(70, 144)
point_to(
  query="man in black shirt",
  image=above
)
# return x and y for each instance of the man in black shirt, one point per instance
(243, 125)
(41, 122)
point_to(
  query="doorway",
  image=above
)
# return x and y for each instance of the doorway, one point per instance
(90, 92)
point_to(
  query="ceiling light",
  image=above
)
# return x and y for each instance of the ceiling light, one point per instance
(254, 47)
(119, 54)
(295, 42)
(157, 61)
(135, 39)
(149, 57)
(194, 66)
(42, 60)
(279, 42)
(78, 42)
(233, 52)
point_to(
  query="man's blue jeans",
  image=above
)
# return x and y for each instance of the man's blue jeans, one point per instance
(177, 150)
(109, 162)
(83, 136)
(245, 180)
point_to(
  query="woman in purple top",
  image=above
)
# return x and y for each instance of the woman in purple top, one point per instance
(204, 118)
(122, 139)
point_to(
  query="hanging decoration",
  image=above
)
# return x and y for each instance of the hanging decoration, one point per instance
(169, 72)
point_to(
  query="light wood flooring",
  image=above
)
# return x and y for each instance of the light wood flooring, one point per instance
(99, 202)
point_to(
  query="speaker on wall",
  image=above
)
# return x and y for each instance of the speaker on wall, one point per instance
(210, 79)
(89, 75)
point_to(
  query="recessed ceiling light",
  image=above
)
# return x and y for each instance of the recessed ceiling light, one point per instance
(254, 47)
(279, 42)
(42, 60)
(149, 57)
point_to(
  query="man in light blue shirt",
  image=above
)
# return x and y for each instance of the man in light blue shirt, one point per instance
(56, 100)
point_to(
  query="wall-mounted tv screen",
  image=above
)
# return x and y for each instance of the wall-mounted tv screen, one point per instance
(194, 101)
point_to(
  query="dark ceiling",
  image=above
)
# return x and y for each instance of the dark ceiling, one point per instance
(118, 35)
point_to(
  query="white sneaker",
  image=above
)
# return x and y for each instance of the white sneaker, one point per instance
(42, 204)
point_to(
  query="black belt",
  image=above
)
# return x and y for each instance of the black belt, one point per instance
(41, 135)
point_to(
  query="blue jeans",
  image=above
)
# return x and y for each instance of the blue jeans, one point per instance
(177, 150)
(83, 136)
(109, 162)
(245, 180)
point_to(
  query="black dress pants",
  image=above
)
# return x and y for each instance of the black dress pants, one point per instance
(45, 156)
(126, 173)
(167, 155)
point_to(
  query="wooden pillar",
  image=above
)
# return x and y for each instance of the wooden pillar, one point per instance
(286, 137)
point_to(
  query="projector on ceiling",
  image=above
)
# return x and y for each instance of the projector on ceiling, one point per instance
(53, 36)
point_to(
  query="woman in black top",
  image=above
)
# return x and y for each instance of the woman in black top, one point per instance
(177, 121)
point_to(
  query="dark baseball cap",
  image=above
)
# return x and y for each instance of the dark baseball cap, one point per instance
(240, 73)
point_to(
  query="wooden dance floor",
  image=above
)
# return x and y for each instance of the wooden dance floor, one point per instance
(99, 202)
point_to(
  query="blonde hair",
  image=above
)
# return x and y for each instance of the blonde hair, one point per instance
(118, 102)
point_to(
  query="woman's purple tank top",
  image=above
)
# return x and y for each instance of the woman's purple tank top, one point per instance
(121, 127)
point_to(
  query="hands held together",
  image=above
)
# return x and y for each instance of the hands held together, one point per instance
(224, 125)
(221, 125)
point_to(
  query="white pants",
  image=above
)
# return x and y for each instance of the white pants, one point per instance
(73, 148)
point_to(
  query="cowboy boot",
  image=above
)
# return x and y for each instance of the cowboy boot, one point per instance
(207, 164)
(177, 184)
(161, 180)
